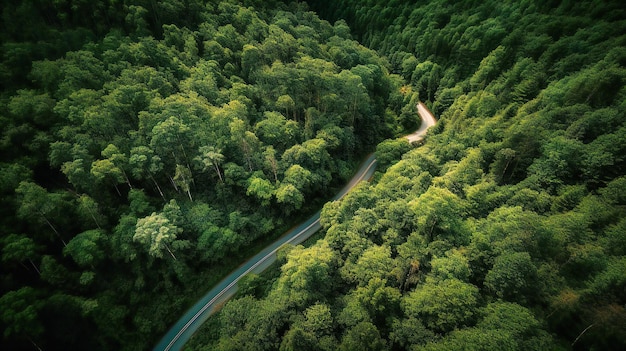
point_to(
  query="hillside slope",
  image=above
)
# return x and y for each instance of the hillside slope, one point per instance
(149, 147)
(506, 229)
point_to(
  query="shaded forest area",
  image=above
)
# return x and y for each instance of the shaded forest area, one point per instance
(147, 146)
(506, 230)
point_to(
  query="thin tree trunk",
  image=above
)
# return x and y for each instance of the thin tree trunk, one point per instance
(219, 174)
(188, 186)
(155, 14)
(508, 162)
(173, 183)
(514, 168)
(171, 253)
(53, 228)
(247, 152)
(593, 92)
(91, 213)
(583, 332)
(406, 280)
(126, 178)
(182, 148)
(33, 264)
(32, 342)
(25, 266)
(93, 216)
(94, 219)
(118, 190)
(158, 187)
(274, 170)
(193, 182)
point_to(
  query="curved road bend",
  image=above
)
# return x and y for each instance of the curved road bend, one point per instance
(190, 322)
(428, 120)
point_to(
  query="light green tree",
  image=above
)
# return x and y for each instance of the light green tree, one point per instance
(145, 164)
(260, 188)
(183, 179)
(159, 234)
(210, 157)
(20, 248)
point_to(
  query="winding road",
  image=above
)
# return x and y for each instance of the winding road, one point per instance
(189, 323)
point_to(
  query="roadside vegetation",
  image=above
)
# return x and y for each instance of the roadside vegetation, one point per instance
(505, 230)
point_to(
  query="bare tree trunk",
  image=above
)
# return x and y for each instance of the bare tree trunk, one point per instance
(171, 253)
(117, 190)
(158, 187)
(37, 346)
(583, 332)
(217, 169)
(93, 216)
(275, 171)
(187, 185)
(33, 264)
(189, 194)
(247, 152)
(508, 162)
(25, 266)
(53, 228)
(94, 219)
(514, 168)
(155, 14)
(91, 213)
(126, 178)
(173, 183)
(193, 182)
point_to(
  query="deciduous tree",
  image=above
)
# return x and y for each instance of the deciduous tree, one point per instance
(159, 234)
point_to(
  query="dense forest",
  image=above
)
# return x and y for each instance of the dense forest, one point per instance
(148, 146)
(506, 230)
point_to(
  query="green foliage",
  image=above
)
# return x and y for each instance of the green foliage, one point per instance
(513, 277)
(158, 233)
(504, 230)
(307, 275)
(390, 151)
(443, 306)
(363, 336)
(139, 131)
(112, 110)
(474, 339)
(87, 248)
(20, 313)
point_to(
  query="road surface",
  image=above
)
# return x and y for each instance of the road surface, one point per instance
(191, 321)
(428, 120)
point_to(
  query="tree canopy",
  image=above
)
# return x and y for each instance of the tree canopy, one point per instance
(504, 229)
(148, 146)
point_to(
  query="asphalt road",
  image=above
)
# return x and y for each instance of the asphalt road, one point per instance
(188, 324)
(428, 120)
